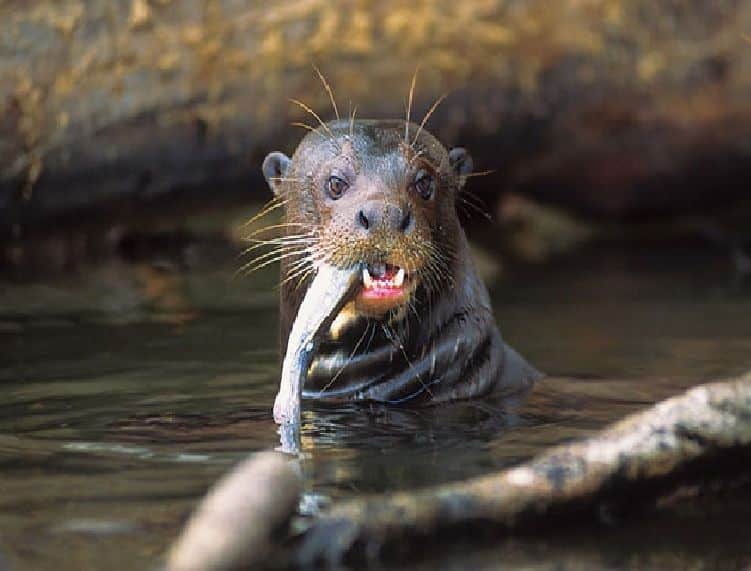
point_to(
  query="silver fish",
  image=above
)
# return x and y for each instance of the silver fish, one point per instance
(328, 292)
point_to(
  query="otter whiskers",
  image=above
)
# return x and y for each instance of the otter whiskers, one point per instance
(409, 105)
(427, 116)
(328, 89)
(323, 125)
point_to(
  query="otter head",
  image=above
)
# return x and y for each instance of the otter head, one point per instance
(376, 194)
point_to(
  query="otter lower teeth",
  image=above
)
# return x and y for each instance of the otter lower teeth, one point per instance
(369, 280)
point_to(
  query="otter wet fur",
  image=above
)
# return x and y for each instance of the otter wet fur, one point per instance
(380, 196)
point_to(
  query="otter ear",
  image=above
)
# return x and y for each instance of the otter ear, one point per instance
(461, 162)
(275, 166)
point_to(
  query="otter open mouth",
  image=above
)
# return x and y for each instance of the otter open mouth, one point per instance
(383, 282)
(384, 287)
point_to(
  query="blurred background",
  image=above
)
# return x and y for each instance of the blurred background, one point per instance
(123, 120)
(137, 360)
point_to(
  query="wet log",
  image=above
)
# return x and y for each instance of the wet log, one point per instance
(233, 527)
(701, 436)
(695, 440)
(614, 108)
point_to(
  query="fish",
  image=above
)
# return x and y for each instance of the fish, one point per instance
(329, 291)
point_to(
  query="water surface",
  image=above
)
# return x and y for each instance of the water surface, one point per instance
(128, 388)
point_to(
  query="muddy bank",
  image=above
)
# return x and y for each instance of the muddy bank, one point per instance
(613, 109)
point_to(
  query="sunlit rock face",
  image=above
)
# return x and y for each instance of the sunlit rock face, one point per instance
(615, 108)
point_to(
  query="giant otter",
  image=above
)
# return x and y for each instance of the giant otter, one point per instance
(380, 196)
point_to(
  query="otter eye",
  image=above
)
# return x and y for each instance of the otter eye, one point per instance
(424, 184)
(336, 187)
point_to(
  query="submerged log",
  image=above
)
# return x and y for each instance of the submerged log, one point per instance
(614, 108)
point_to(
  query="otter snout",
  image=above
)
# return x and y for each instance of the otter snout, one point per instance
(377, 215)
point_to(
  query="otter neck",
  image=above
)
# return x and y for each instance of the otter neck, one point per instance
(360, 356)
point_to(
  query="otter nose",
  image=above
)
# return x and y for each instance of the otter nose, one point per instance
(375, 214)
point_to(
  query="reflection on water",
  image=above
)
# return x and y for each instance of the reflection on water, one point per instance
(129, 389)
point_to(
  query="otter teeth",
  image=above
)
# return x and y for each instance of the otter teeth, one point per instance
(399, 278)
(367, 281)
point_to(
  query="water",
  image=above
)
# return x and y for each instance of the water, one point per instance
(129, 388)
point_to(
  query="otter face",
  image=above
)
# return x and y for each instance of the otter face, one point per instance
(370, 198)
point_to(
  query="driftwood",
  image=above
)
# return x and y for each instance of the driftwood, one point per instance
(256, 498)
(701, 436)
(616, 108)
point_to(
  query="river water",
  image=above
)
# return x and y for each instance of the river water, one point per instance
(129, 387)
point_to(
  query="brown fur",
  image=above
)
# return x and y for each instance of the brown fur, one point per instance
(381, 162)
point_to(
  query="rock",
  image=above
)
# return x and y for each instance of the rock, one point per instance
(614, 109)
